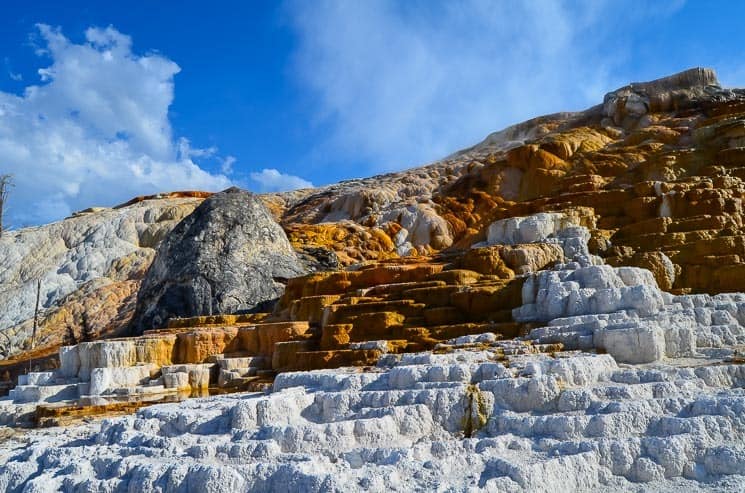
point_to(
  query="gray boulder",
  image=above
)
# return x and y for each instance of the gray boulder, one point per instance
(228, 256)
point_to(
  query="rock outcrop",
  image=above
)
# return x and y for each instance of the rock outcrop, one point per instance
(91, 263)
(659, 164)
(228, 256)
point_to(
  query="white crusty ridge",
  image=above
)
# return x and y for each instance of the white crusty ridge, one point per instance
(458, 421)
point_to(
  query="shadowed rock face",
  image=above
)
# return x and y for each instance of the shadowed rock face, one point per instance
(228, 256)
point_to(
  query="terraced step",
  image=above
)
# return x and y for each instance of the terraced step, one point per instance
(236, 379)
(459, 277)
(395, 289)
(505, 330)
(219, 320)
(285, 354)
(261, 339)
(44, 393)
(335, 314)
(230, 362)
(330, 283)
(310, 308)
(481, 301)
(444, 315)
(431, 296)
(655, 241)
(316, 360)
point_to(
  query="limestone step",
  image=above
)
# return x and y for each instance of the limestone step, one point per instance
(480, 301)
(152, 389)
(316, 360)
(198, 376)
(355, 300)
(220, 320)
(383, 345)
(285, 353)
(335, 336)
(458, 277)
(310, 308)
(505, 330)
(388, 274)
(195, 346)
(396, 289)
(226, 362)
(343, 313)
(37, 378)
(444, 315)
(231, 379)
(330, 283)
(656, 241)
(431, 296)
(105, 380)
(272, 333)
(43, 393)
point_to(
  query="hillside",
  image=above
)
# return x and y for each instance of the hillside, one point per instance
(560, 307)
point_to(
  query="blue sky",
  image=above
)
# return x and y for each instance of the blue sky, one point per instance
(100, 101)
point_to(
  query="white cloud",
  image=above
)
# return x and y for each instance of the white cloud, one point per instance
(401, 83)
(226, 167)
(95, 131)
(271, 180)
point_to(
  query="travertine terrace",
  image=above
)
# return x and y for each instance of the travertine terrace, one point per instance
(558, 308)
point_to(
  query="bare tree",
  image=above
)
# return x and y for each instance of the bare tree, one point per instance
(6, 183)
(36, 320)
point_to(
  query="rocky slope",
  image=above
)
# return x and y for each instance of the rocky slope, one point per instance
(90, 264)
(659, 164)
(555, 308)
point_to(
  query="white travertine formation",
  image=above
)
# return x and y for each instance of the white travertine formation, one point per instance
(103, 246)
(457, 421)
(421, 226)
(528, 229)
(110, 379)
(596, 289)
(622, 311)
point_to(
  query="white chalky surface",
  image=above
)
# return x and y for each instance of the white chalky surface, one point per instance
(577, 422)
(69, 254)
